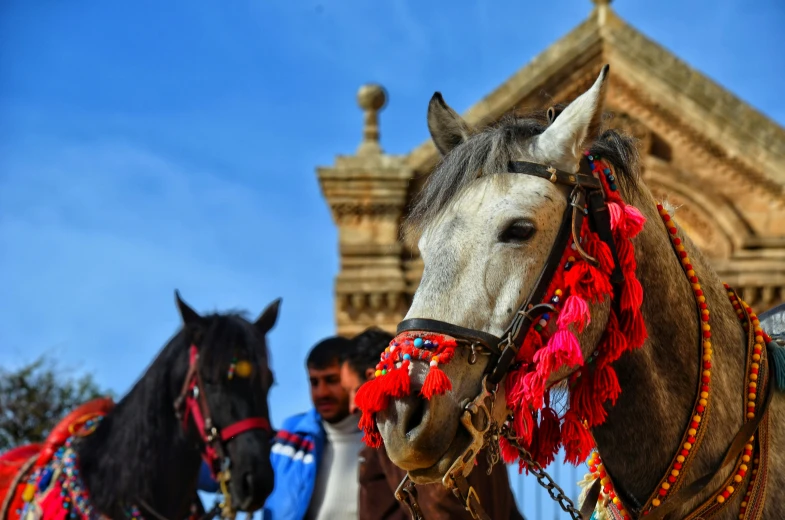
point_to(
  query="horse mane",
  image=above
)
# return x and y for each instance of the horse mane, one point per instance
(490, 149)
(140, 440)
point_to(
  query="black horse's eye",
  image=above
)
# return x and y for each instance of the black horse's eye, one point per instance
(517, 232)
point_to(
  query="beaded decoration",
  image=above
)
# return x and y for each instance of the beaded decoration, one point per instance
(392, 376)
(550, 345)
(609, 505)
(240, 368)
(58, 484)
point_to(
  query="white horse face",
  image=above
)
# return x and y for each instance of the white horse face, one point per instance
(483, 252)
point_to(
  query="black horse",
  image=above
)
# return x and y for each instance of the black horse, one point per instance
(203, 398)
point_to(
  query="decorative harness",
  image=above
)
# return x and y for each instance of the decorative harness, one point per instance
(422, 339)
(192, 402)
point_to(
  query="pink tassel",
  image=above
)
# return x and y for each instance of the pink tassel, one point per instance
(616, 214)
(632, 296)
(436, 383)
(575, 311)
(634, 221)
(563, 349)
(577, 440)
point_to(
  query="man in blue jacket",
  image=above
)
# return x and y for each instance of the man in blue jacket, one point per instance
(315, 454)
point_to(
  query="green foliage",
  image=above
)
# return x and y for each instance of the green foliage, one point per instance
(35, 397)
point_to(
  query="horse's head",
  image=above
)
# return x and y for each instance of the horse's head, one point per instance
(485, 235)
(227, 382)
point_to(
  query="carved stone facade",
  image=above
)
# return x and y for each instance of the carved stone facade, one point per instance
(721, 162)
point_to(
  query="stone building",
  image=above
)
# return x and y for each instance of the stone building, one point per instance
(708, 151)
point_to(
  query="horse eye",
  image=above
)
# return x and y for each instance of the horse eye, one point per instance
(517, 232)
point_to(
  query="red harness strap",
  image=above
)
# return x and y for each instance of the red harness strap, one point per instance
(197, 408)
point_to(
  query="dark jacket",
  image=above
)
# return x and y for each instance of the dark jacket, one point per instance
(379, 478)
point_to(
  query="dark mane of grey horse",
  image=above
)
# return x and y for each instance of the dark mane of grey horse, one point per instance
(489, 151)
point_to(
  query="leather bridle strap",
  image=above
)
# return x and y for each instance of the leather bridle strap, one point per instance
(192, 401)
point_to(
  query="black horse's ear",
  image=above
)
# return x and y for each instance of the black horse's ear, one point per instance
(267, 319)
(190, 317)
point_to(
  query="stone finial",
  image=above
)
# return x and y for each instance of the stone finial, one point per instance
(372, 98)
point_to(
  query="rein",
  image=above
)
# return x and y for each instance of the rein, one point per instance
(192, 403)
(586, 199)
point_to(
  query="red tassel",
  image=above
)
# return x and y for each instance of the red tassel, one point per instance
(613, 345)
(436, 383)
(606, 384)
(588, 282)
(600, 250)
(626, 255)
(584, 400)
(632, 295)
(370, 398)
(562, 350)
(577, 440)
(373, 439)
(508, 452)
(633, 327)
(523, 425)
(534, 387)
(397, 381)
(548, 437)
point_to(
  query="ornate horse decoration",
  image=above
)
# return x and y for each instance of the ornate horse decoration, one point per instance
(204, 397)
(561, 306)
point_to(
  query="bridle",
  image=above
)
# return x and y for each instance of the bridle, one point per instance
(585, 199)
(192, 403)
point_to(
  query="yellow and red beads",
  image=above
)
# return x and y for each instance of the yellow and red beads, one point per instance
(598, 472)
(691, 438)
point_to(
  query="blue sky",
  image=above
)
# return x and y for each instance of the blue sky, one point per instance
(155, 145)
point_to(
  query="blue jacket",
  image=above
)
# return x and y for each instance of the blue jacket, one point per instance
(295, 455)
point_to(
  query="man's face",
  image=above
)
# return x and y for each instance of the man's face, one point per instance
(351, 381)
(328, 396)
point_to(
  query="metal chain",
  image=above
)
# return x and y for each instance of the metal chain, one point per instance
(545, 480)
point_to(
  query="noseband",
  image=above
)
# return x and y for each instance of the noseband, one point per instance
(586, 199)
(192, 403)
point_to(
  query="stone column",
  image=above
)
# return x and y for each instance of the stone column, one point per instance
(367, 193)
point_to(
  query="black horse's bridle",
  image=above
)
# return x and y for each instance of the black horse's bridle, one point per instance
(586, 199)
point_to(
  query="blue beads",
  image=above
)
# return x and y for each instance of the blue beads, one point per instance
(611, 178)
(567, 266)
(591, 157)
(606, 171)
(407, 356)
(418, 342)
(546, 316)
(613, 187)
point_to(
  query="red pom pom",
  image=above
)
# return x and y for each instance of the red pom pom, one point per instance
(370, 397)
(436, 383)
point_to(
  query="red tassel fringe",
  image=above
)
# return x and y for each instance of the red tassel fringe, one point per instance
(436, 383)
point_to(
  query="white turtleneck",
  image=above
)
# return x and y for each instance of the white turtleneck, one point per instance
(336, 492)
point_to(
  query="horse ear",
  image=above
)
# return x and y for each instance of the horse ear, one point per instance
(447, 128)
(190, 317)
(577, 126)
(267, 319)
